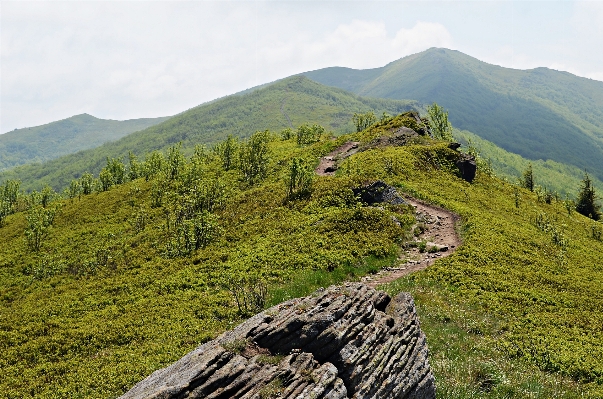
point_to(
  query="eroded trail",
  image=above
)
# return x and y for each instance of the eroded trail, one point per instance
(438, 237)
(439, 233)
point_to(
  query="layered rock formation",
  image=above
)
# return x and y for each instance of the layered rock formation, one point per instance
(347, 341)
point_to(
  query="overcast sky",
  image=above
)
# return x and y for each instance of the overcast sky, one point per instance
(124, 60)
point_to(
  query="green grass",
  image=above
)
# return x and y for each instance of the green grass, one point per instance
(561, 178)
(464, 355)
(514, 312)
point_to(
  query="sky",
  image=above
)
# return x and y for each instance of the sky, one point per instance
(135, 59)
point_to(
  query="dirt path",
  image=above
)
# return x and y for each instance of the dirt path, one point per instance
(438, 227)
(328, 163)
(439, 233)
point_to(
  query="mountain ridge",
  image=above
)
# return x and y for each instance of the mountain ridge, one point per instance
(292, 101)
(538, 113)
(52, 140)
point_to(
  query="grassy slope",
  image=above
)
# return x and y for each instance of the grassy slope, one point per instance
(554, 176)
(296, 98)
(510, 314)
(50, 141)
(539, 114)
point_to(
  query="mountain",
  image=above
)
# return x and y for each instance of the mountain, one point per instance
(287, 103)
(101, 290)
(80, 132)
(538, 114)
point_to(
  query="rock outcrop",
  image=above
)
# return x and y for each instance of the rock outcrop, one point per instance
(378, 192)
(467, 167)
(346, 341)
(465, 163)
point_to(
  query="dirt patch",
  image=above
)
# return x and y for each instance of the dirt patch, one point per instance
(329, 163)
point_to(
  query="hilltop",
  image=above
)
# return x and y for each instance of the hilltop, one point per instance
(540, 114)
(129, 278)
(80, 132)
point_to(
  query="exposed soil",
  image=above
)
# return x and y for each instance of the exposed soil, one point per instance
(439, 232)
(437, 226)
(329, 163)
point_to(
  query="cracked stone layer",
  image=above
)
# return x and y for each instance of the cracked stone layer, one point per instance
(347, 341)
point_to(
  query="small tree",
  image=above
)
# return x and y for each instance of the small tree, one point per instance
(586, 203)
(39, 221)
(299, 180)
(106, 179)
(5, 210)
(87, 183)
(75, 189)
(153, 164)
(117, 169)
(287, 134)
(254, 156)
(363, 121)
(135, 169)
(527, 180)
(227, 151)
(438, 121)
(307, 134)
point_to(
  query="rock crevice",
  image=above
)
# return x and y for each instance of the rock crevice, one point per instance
(347, 341)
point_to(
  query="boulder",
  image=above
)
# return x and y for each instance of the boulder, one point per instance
(467, 167)
(378, 192)
(347, 341)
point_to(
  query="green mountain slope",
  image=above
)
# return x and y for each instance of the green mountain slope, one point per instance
(554, 176)
(539, 114)
(287, 103)
(50, 141)
(128, 280)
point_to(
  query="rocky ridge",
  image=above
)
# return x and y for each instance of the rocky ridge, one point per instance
(347, 341)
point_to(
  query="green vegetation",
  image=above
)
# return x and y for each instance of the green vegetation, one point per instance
(288, 103)
(364, 121)
(556, 177)
(140, 272)
(129, 279)
(527, 180)
(586, 203)
(80, 132)
(438, 121)
(539, 114)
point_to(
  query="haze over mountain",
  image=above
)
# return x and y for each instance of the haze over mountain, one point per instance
(539, 113)
(287, 103)
(52, 140)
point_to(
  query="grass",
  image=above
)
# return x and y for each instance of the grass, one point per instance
(514, 312)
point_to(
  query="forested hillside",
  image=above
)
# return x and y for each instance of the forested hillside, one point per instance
(538, 114)
(42, 143)
(287, 103)
(101, 289)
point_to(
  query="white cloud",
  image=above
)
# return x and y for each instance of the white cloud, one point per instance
(359, 44)
(127, 59)
(422, 36)
(123, 60)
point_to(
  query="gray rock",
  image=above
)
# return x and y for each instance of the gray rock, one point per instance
(347, 341)
(378, 192)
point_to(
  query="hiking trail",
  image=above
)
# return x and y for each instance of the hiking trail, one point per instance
(437, 228)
